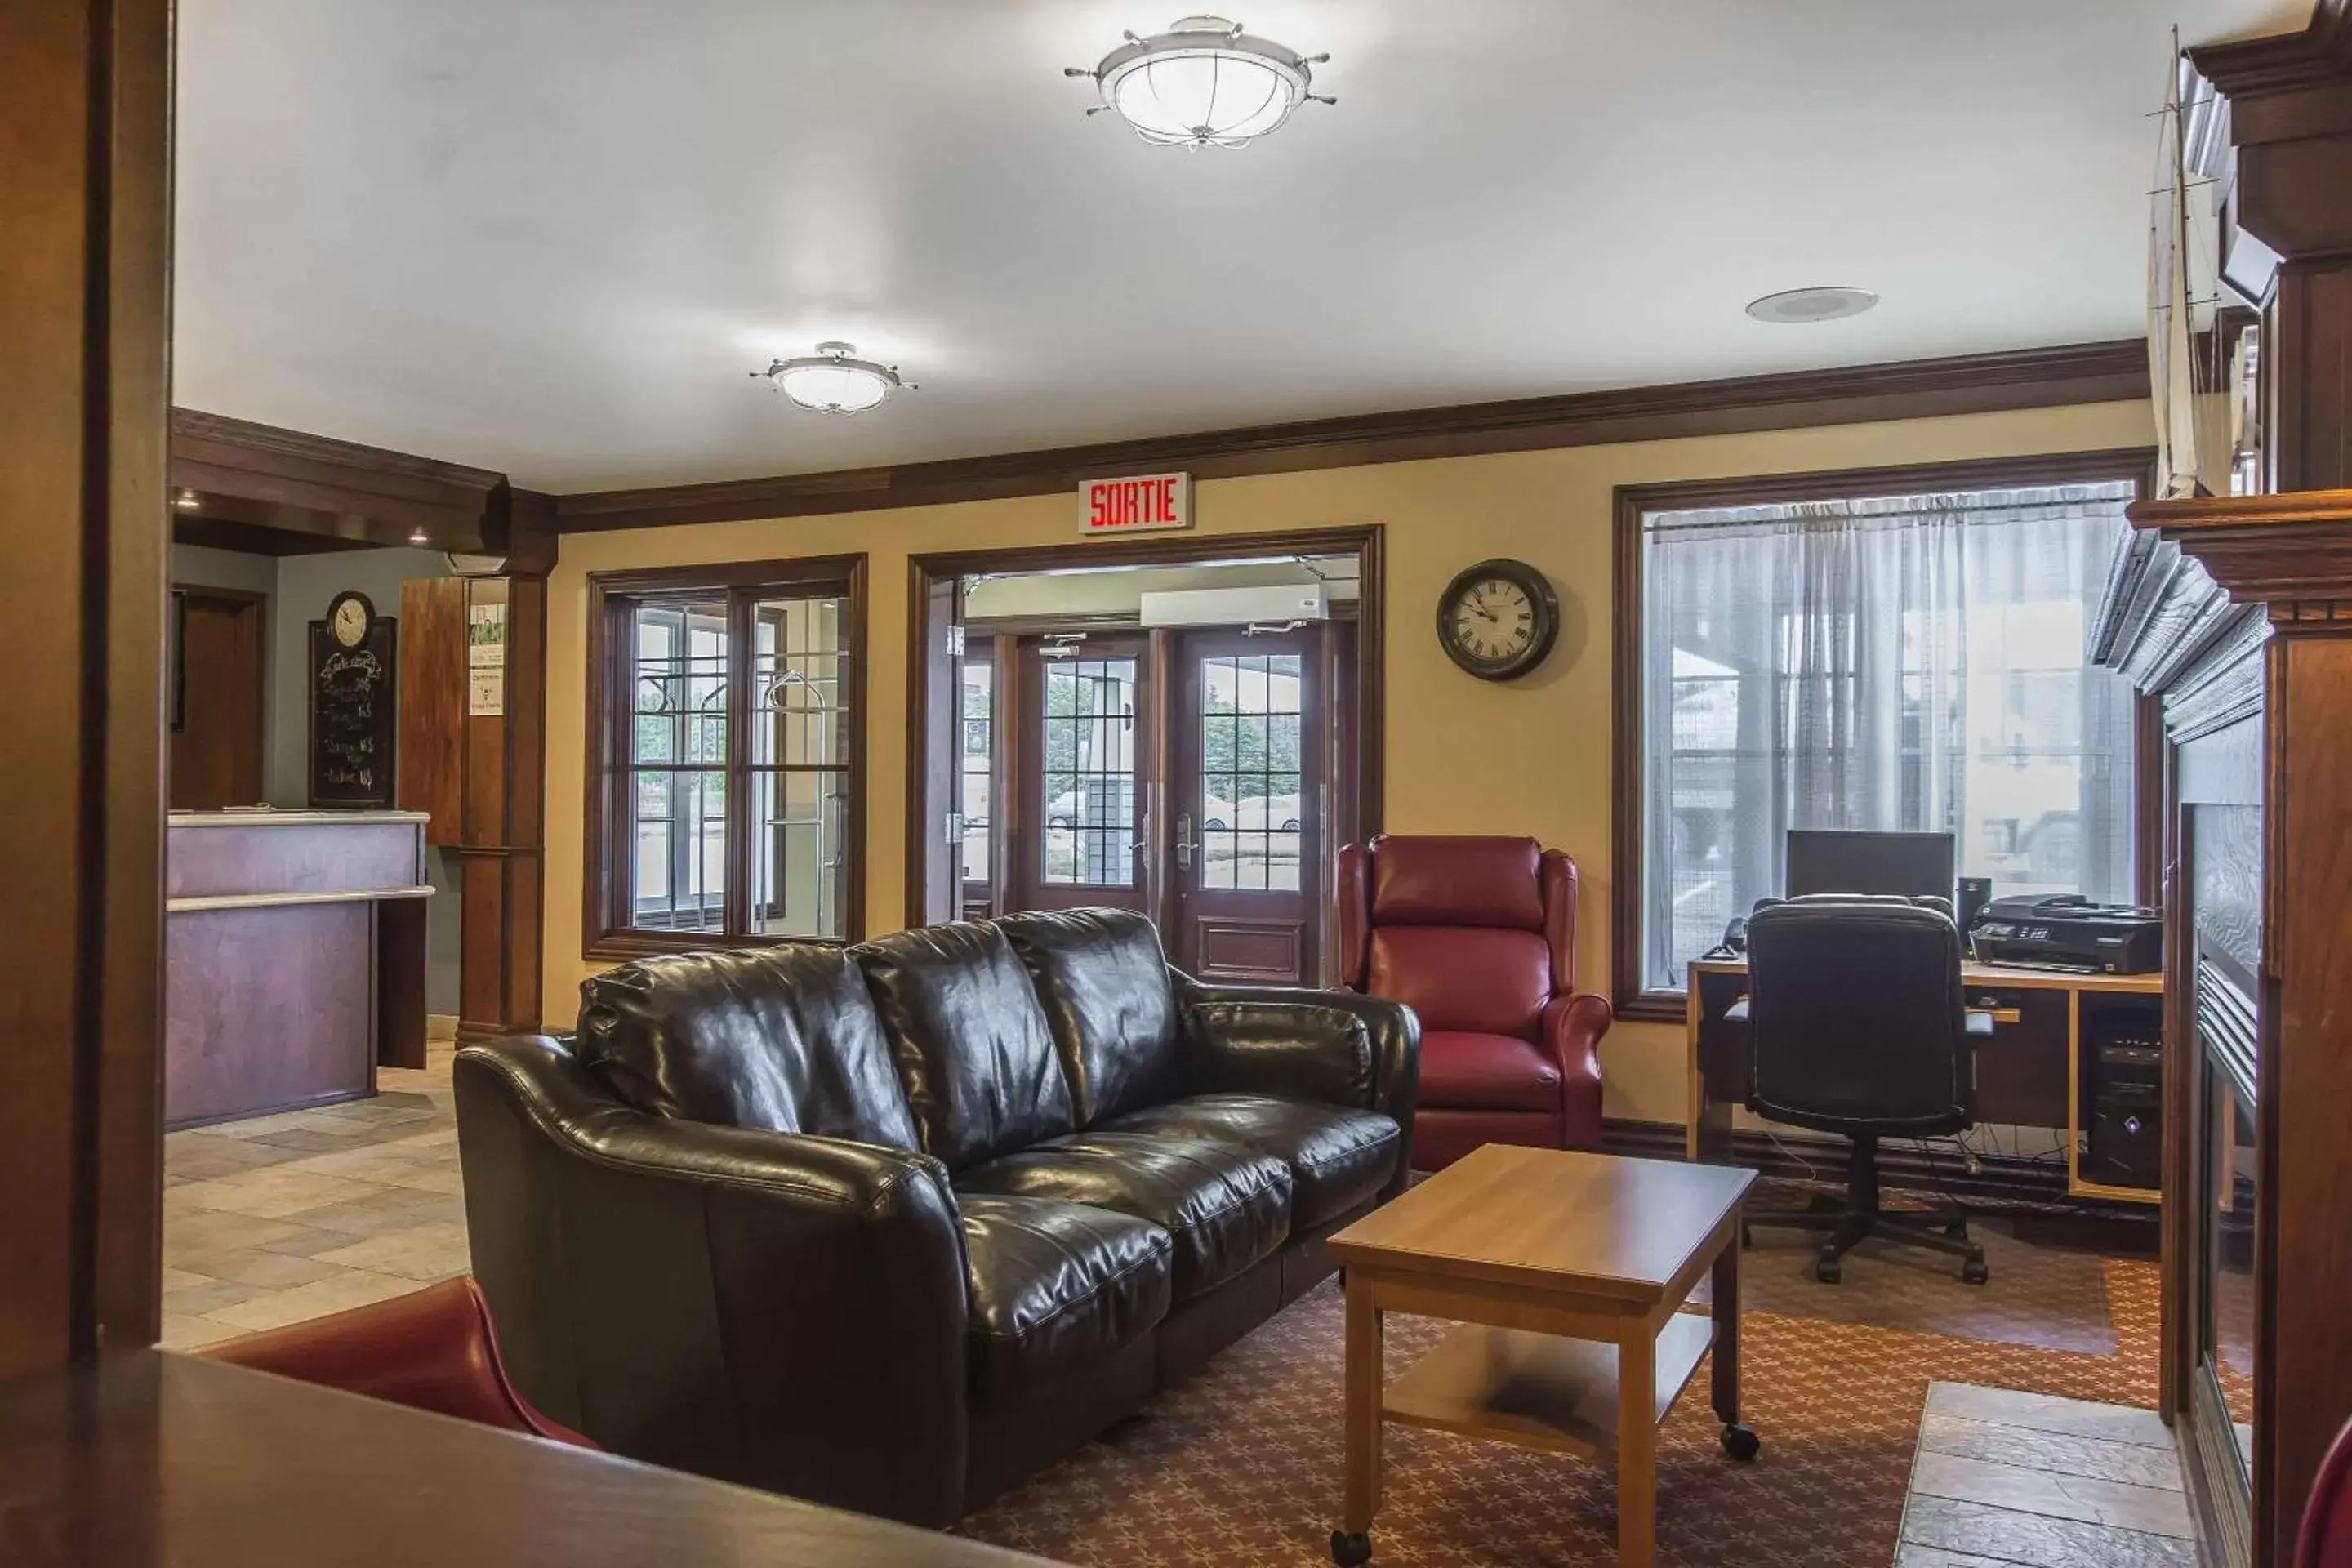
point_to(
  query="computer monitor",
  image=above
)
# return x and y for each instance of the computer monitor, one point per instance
(1914, 865)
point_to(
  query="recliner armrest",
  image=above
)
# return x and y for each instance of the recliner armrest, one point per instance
(787, 1311)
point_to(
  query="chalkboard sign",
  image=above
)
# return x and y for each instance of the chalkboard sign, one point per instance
(354, 702)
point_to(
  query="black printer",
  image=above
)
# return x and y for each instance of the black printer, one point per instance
(2067, 931)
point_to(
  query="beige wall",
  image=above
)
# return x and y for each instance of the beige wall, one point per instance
(1464, 756)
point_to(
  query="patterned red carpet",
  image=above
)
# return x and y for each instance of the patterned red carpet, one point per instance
(1241, 1467)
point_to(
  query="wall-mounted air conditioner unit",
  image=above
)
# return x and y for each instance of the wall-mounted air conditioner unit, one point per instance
(1236, 606)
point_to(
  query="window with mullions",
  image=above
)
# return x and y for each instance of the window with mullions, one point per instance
(1250, 718)
(1089, 773)
(726, 756)
(979, 759)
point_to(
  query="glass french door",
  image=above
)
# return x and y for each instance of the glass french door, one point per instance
(1247, 828)
(1083, 774)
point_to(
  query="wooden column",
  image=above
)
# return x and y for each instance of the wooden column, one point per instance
(85, 134)
(499, 844)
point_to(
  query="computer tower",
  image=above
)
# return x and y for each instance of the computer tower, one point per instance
(2126, 1108)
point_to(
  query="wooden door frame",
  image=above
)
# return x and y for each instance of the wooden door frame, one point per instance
(928, 575)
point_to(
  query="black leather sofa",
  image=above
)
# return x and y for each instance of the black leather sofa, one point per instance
(893, 1226)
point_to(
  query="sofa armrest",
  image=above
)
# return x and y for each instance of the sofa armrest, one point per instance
(1333, 1045)
(781, 1310)
(1572, 1027)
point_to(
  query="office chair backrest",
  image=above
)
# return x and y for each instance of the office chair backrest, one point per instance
(1855, 1016)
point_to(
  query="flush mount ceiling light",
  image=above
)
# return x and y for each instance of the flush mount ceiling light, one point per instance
(832, 380)
(1203, 83)
(1802, 307)
(186, 500)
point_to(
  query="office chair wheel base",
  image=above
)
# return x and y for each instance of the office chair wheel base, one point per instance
(1741, 1442)
(1351, 1547)
(1828, 1270)
(1974, 1272)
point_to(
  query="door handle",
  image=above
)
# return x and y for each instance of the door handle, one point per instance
(1184, 845)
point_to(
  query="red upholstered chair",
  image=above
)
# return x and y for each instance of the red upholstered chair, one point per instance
(1478, 937)
(431, 1350)
(2325, 1537)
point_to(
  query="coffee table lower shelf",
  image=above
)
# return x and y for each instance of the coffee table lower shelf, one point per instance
(1539, 1390)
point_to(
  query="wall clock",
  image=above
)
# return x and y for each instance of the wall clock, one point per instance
(1498, 619)
(348, 616)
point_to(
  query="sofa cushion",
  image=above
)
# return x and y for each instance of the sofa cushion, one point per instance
(785, 1039)
(1339, 1159)
(1453, 977)
(1462, 1071)
(971, 1042)
(1222, 1205)
(1102, 980)
(1056, 1288)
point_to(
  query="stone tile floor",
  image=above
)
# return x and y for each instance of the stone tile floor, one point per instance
(2004, 1478)
(281, 1218)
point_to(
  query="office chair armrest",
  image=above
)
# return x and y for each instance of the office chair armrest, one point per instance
(1572, 1027)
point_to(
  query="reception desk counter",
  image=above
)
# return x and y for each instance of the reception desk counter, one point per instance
(294, 958)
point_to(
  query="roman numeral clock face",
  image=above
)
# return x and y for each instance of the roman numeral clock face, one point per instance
(1498, 619)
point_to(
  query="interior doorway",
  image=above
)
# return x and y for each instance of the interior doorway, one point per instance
(1204, 775)
(215, 698)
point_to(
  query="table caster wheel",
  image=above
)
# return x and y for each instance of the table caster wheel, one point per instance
(1974, 1272)
(1351, 1547)
(1740, 1442)
(1829, 1271)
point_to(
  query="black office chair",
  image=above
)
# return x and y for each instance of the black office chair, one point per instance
(1856, 1025)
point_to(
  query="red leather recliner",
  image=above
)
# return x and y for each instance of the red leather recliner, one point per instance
(431, 1350)
(1478, 937)
(2326, 1539)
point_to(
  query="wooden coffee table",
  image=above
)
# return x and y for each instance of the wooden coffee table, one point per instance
(1566, 1271)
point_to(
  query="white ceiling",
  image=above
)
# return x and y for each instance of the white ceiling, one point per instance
(552, 237)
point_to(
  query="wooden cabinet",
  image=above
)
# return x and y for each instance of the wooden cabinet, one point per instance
(2238, 614)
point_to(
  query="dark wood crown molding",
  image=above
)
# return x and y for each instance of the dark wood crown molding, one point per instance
(264, 476)
(2318, 57)
(1973, 384)
(2292, 551)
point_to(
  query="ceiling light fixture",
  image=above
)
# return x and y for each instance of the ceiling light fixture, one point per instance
(186, 500)
(1803, 306)
(1203, 83)
(832, 380)
(418, 536)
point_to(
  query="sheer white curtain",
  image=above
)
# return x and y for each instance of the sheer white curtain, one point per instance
(1900, 662)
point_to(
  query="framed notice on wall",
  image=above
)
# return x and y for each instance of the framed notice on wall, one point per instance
(485, 660)
(354, 701)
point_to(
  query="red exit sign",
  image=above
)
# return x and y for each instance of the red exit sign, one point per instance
(1137, 505)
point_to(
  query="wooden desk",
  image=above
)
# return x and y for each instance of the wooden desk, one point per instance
(1567, 1270)
(293, 958)
(2030, 1074)
(154, 1458)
